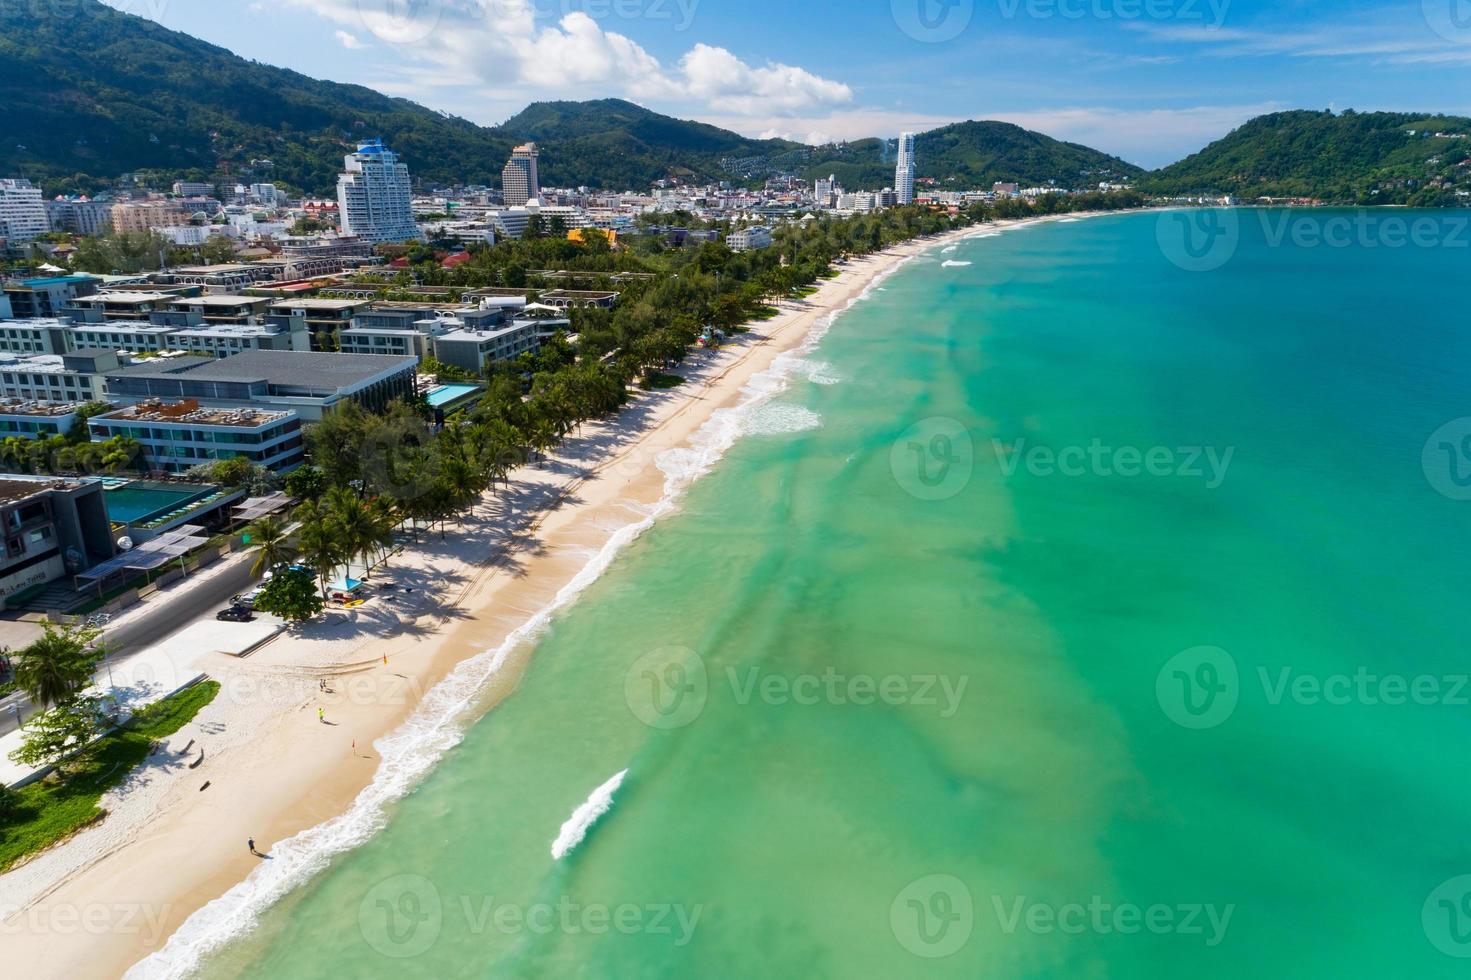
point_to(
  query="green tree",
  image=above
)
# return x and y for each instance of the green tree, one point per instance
(54, 735)
(271, 544)
(292, 595)
(58, 666)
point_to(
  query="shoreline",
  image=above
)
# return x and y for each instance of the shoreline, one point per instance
(402, 689)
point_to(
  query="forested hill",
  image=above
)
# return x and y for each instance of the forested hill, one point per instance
(1362, 157)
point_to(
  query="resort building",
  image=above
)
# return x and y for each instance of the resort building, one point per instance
(119, 304)
(314, 314)
(179, 435)
(566, 299)
(80, 217)
(22, 212)
(52, 528)
(375, 195)
(308, 383)
(225, 339)
(217, 310)
(35, 420)
(745, 240)
(519, 180)
(47, 296)
(131, 336)
(78, 376)
(482, 340)
(40, 336)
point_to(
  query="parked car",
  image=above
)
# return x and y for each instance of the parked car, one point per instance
(235, 614)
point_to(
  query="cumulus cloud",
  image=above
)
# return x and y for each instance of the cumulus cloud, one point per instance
(502, 43)
(348, 41)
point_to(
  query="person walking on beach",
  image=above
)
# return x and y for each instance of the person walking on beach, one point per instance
(251, 844)
(321, 716)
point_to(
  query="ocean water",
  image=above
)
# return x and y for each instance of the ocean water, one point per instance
(1090, 610)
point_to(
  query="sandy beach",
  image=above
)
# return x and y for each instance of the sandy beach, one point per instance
(461, 610)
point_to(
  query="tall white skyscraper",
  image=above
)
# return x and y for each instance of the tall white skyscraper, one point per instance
(22, 212)
(375, 196)
(904, 172)
(519, 180)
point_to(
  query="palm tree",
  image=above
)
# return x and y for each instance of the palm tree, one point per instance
(272, 545)
(58, 666)
(319, 542)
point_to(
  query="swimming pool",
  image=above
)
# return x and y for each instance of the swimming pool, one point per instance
(447, 394)
(140, 502)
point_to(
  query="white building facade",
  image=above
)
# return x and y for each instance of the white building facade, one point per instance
(374, 196)
(905, 170)
(22, 212)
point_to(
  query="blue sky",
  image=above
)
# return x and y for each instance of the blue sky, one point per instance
(1149, 80)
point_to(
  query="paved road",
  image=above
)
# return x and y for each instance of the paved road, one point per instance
(167, 616)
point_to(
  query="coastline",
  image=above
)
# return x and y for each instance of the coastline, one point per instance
(403, 687)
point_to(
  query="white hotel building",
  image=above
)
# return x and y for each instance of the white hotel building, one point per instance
(375, 197)
(23, 215)
(905, 170)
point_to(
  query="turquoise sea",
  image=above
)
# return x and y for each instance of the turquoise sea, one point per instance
(1089, 610)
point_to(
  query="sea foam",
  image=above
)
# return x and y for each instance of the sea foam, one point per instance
(582, 819)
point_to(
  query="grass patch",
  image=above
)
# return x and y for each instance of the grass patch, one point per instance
(49, 811)
(659, 381)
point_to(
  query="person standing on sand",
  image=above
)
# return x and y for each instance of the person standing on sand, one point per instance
(322, 716)
(251, 843)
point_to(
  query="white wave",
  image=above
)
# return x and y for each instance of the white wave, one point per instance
(953, 264)
(1069, 221)
(438, 724)
(818, 372)
(777, 420)
(948, 249)
(582, 819)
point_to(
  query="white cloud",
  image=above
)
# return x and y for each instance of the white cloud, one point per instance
(501, 43)
(349, 41)
(724, 82)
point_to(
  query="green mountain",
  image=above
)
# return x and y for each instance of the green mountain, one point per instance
(99, 93)
(633, 145)
(1364, 157)
(972, 154)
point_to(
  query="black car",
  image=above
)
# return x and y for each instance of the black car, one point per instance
(235, 614)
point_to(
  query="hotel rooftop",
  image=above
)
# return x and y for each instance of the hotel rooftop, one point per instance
(189, 411)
